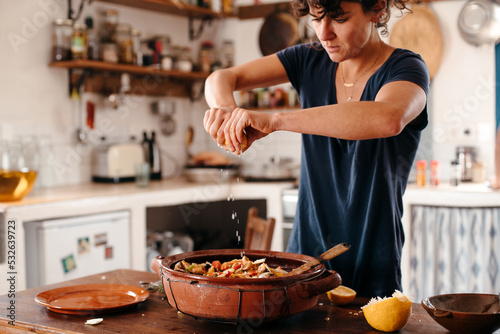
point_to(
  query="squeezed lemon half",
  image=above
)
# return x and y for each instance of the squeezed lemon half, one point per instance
(388, 314)
(243, 144)
(341, 295)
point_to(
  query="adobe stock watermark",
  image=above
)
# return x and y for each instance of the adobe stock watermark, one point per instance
(457, 116)
(30, 26)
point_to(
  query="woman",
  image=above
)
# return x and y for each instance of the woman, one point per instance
(363, 109)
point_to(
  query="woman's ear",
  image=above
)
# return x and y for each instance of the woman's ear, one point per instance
(379, 10)
(381, 5)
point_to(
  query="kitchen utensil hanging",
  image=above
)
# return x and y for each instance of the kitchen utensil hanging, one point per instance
(479, 22)
(280, 30)
(166, 110)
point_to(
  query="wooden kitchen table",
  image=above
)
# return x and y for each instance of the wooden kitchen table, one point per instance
(155, 315)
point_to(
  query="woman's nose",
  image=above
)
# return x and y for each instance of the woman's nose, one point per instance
(324, 30)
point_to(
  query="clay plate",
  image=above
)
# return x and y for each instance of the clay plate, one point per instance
(91, 298)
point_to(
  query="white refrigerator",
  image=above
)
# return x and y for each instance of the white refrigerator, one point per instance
(68, 248)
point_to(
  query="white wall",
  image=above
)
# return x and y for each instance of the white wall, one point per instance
(463, 93)
(34, 98)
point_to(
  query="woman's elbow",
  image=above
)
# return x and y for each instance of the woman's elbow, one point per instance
(393, 127)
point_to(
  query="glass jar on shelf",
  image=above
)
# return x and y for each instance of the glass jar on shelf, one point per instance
(62, 31)
(109, 52)
(125, 44)
(109, 26)
(228, 6)
(184, 62)
(79, 42)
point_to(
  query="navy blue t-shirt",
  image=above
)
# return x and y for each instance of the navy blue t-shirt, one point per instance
(351, 190)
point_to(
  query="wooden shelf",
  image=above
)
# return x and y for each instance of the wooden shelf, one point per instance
(261, 11)
(174, 7)
(102, 66)
(102, 77)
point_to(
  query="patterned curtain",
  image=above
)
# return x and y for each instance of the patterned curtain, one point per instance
(454, 250)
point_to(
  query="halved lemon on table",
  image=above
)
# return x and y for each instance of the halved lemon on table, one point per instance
(341, 295)
(388, 314)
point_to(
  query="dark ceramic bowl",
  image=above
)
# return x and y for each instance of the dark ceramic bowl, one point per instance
(465, 312)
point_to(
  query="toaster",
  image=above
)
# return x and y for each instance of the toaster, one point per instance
(115, 163)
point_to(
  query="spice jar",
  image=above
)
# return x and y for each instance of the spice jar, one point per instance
(205, 56)
(434, 172)
(79, 42)
(183, 62)
(421, 169)
(110, 23)
(62, 30)
(227, 6)
(109, 52)
(125, 44)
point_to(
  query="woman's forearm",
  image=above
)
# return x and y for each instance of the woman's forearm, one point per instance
(353, 121)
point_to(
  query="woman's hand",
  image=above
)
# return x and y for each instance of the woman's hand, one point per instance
(236, 130)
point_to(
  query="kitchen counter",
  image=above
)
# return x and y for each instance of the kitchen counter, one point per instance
(463, 195)
(155, 315)
(92, 198)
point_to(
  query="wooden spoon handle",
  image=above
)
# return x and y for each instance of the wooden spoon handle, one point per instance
(328, 255)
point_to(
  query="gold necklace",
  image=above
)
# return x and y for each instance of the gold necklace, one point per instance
(348, 85)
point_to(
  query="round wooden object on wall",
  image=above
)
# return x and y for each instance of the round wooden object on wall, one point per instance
(420, 32)
(280, 30)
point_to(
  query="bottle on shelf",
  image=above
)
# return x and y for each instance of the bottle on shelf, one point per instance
(79, 42)
(136, 41)
(93, 52)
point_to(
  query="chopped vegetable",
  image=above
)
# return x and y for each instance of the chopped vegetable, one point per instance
(237, 268)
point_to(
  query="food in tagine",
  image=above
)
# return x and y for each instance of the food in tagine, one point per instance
(237, 268)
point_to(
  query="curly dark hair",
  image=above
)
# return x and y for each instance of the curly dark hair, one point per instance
(332, 9)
